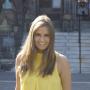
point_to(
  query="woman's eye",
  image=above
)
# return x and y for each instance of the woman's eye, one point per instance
(46, 35)
(37, 34)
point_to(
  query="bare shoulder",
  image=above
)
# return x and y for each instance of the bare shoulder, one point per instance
(18, 60)
(60, 58)
(62, 62)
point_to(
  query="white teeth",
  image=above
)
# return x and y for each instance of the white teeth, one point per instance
(42, 43)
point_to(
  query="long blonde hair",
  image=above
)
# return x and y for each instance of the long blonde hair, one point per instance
(28, 49)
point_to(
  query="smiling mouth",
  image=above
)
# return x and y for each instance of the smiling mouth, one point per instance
(42, 43)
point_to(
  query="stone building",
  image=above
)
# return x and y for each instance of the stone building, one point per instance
(72, 24)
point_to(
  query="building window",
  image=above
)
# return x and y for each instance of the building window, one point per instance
(45, 3)
(56, 3)
(50, 3)
(7, 4)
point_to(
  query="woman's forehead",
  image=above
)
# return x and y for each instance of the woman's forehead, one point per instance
(42, 29)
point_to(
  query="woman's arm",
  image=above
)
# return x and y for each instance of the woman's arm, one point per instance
(64, 71)
(17, 87)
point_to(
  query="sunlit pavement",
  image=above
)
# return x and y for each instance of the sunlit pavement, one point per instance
(79, 81)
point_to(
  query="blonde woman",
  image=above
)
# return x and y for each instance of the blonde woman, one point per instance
(38, 65)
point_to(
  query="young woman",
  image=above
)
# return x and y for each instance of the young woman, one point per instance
(38, 65)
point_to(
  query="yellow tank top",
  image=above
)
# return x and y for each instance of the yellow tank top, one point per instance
(37, 82)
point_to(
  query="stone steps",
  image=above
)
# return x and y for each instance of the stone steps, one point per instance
(68, 44)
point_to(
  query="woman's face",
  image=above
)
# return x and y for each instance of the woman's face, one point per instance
(41, 38)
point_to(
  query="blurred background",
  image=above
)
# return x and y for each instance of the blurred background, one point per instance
(71, 19)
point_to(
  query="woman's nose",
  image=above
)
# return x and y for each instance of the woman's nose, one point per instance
(42, 38)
